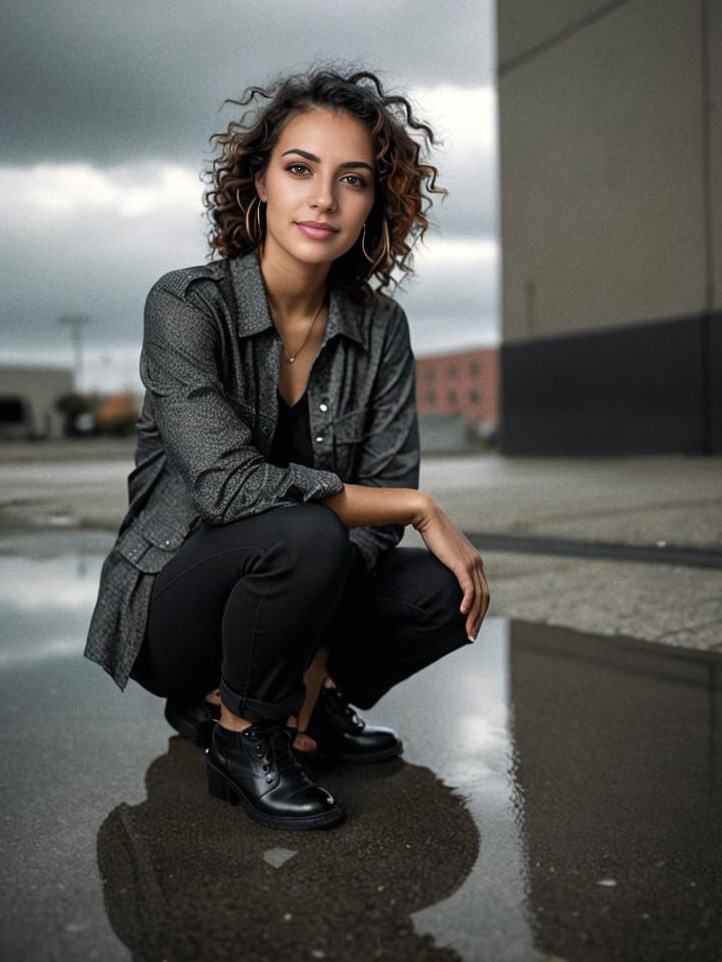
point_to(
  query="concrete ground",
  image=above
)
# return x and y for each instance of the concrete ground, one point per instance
(559, 793)
(673, 501)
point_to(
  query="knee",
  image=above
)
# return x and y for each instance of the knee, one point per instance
(316, 527)
(317, 540)
(441, 581)
(443, 596)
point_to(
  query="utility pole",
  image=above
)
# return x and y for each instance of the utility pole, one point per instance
(75, 324)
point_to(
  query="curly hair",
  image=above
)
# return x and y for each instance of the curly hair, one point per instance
(399, 174)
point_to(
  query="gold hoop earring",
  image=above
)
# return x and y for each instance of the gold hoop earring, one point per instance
(385, 253)
(363, 238)
(254, 239)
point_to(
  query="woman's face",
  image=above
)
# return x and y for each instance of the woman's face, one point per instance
(322, 169)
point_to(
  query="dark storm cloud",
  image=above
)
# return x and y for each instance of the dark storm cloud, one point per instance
(128, 95)
(108, 83)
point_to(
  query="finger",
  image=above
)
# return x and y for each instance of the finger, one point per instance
(486, 598)
(470, 621)
(468, 589)
(487, 592)
(487, 595)
(478, 601)
(474, 607)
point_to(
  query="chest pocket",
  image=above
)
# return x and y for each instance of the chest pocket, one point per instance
(349, 432)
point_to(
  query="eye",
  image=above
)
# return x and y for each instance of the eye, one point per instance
(358, 181)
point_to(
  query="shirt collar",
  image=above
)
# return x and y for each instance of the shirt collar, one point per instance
(345, 316)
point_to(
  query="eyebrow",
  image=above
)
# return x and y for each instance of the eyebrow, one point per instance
(310, 156)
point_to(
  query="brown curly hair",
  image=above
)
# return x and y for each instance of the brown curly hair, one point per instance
(399, 175)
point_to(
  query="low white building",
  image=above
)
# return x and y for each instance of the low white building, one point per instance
(28, 397)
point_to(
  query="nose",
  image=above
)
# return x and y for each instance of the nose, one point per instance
(325, 194)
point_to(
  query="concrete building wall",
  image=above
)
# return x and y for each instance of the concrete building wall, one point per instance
(27, 401)
(610, 132)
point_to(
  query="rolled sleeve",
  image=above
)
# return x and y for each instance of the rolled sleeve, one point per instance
(390, 452)
(206, 440)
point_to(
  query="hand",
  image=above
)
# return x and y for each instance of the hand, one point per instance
(455, 550)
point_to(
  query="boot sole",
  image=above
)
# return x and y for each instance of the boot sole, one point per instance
(221, 787)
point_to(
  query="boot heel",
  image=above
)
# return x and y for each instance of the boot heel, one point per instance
(219, 787)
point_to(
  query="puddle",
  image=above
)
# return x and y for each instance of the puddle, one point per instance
(558, 798)
(47, 591)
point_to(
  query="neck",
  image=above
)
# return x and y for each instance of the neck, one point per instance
(295, 290)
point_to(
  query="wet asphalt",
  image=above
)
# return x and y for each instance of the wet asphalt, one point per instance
(559, 798)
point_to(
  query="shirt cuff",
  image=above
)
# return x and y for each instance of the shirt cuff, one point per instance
(311, 484)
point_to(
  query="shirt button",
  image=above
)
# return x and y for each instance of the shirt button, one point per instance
(323, 407)
(167, 540)
(265, 430)
(320, 437)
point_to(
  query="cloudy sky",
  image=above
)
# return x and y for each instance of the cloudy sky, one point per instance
(105, 116)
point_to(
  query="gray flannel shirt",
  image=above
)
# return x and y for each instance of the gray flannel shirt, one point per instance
(210, 365)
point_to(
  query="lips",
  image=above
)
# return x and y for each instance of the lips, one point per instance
(314, 231)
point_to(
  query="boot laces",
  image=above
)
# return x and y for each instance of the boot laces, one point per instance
(273, 743)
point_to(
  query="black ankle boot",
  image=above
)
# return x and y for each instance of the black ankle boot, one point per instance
(342, 735)
(257, 769)
(195, 721)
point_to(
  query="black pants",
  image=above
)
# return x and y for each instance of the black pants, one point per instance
(245, 606)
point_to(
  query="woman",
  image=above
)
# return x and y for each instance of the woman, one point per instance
(256, 582)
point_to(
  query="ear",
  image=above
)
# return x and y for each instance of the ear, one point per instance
(260, 182)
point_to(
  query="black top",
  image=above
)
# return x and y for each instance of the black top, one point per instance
(292, 440)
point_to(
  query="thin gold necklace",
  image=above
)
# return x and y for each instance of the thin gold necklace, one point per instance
(293, 357)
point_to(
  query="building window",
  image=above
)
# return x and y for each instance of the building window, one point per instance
(473, 367)
(451, 397)
(452, 370)
(475, 397)
(431, 397)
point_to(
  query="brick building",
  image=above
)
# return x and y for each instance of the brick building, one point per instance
(462, 383)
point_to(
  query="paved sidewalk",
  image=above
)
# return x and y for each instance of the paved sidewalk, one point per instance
(641, 501)
(672, 500)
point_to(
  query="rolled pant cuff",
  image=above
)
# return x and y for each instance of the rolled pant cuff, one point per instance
(241, 705)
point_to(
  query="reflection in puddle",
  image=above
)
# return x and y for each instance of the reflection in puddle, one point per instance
(618, 758)
(559, 795)
(45, 602)
(186, 878)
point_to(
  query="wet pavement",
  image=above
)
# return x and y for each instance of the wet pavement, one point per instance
(559, 798)
(603, 512)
